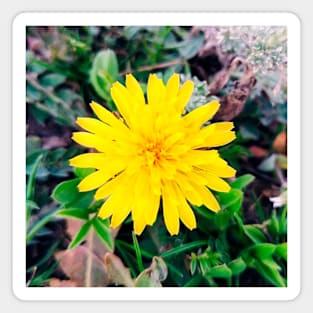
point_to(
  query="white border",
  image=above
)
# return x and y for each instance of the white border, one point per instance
(19, 141)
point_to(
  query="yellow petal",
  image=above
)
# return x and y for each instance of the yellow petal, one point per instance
(201, 114)
(172, 139)
(170, 211)
(219, 139)
(135, 89)
(213, 181)
(121, 210)
(93, 181)
(92, 141)
(139, 226)
(184, 95)
(187, 216)
(107, 117)
(155, 90)
(123, 101)
(208, 199)
(185, 212)
(172, 87)
(224, 125)
(95, 126)
(197, 157)
(117, 208)
(107, 208)
(89, 160)
(140, 188)
(219, 168)
(155, 180)
(110, 187)
(119, 216)
(151, 212)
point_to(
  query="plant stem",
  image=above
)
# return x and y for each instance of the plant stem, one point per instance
(49, 94)
(89, 259)
(147, 68)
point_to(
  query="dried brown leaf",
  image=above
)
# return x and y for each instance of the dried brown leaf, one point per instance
(83, 267)
(116, 270)
(233, 103)
(55, 282)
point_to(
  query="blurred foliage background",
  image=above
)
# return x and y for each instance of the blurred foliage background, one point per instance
(243, 245)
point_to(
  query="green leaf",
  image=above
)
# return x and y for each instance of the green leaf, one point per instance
(184, 247)
(83, 172)
(222, 219)
(45, 259)
(82, 201)
(52, 80)
(138, 252)
(32, 93)
(153, 275)
(81, 235)
(66, 191)
(193, 264)
(42, 279)
(31, 205)
(130, 31)
(242, 181)
(195, 281)
(204, 264)
(220, 271)
(102, 229)
(33, 145)
(104, 72)
(273, 226)
(191, 46)
(254, 233)
(283, 221)
(237, 266)
(281, 250)
(270, 272)
(38, 225)
(263, 250)
(232, 200)
(75, 213)
(30, 188)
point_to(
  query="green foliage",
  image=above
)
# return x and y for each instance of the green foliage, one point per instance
(81, 235)
(103, 73)
(102, 229)
(75, 65)
(80, 205)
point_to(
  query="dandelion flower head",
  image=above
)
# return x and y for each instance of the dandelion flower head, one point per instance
(154, 156)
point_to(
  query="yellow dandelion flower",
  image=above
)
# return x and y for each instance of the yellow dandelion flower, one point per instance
(154, 155)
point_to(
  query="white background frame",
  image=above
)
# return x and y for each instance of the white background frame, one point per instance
(19, 141)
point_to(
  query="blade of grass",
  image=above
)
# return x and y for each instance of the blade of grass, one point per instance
(144, 253)
(149, 255)
(194, 281)
(125, 258)
(138, 252)
(183, 248)
(32, 177)
(38, 225)
(46, 257)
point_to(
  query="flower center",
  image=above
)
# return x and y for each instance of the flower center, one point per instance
(153, 153)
